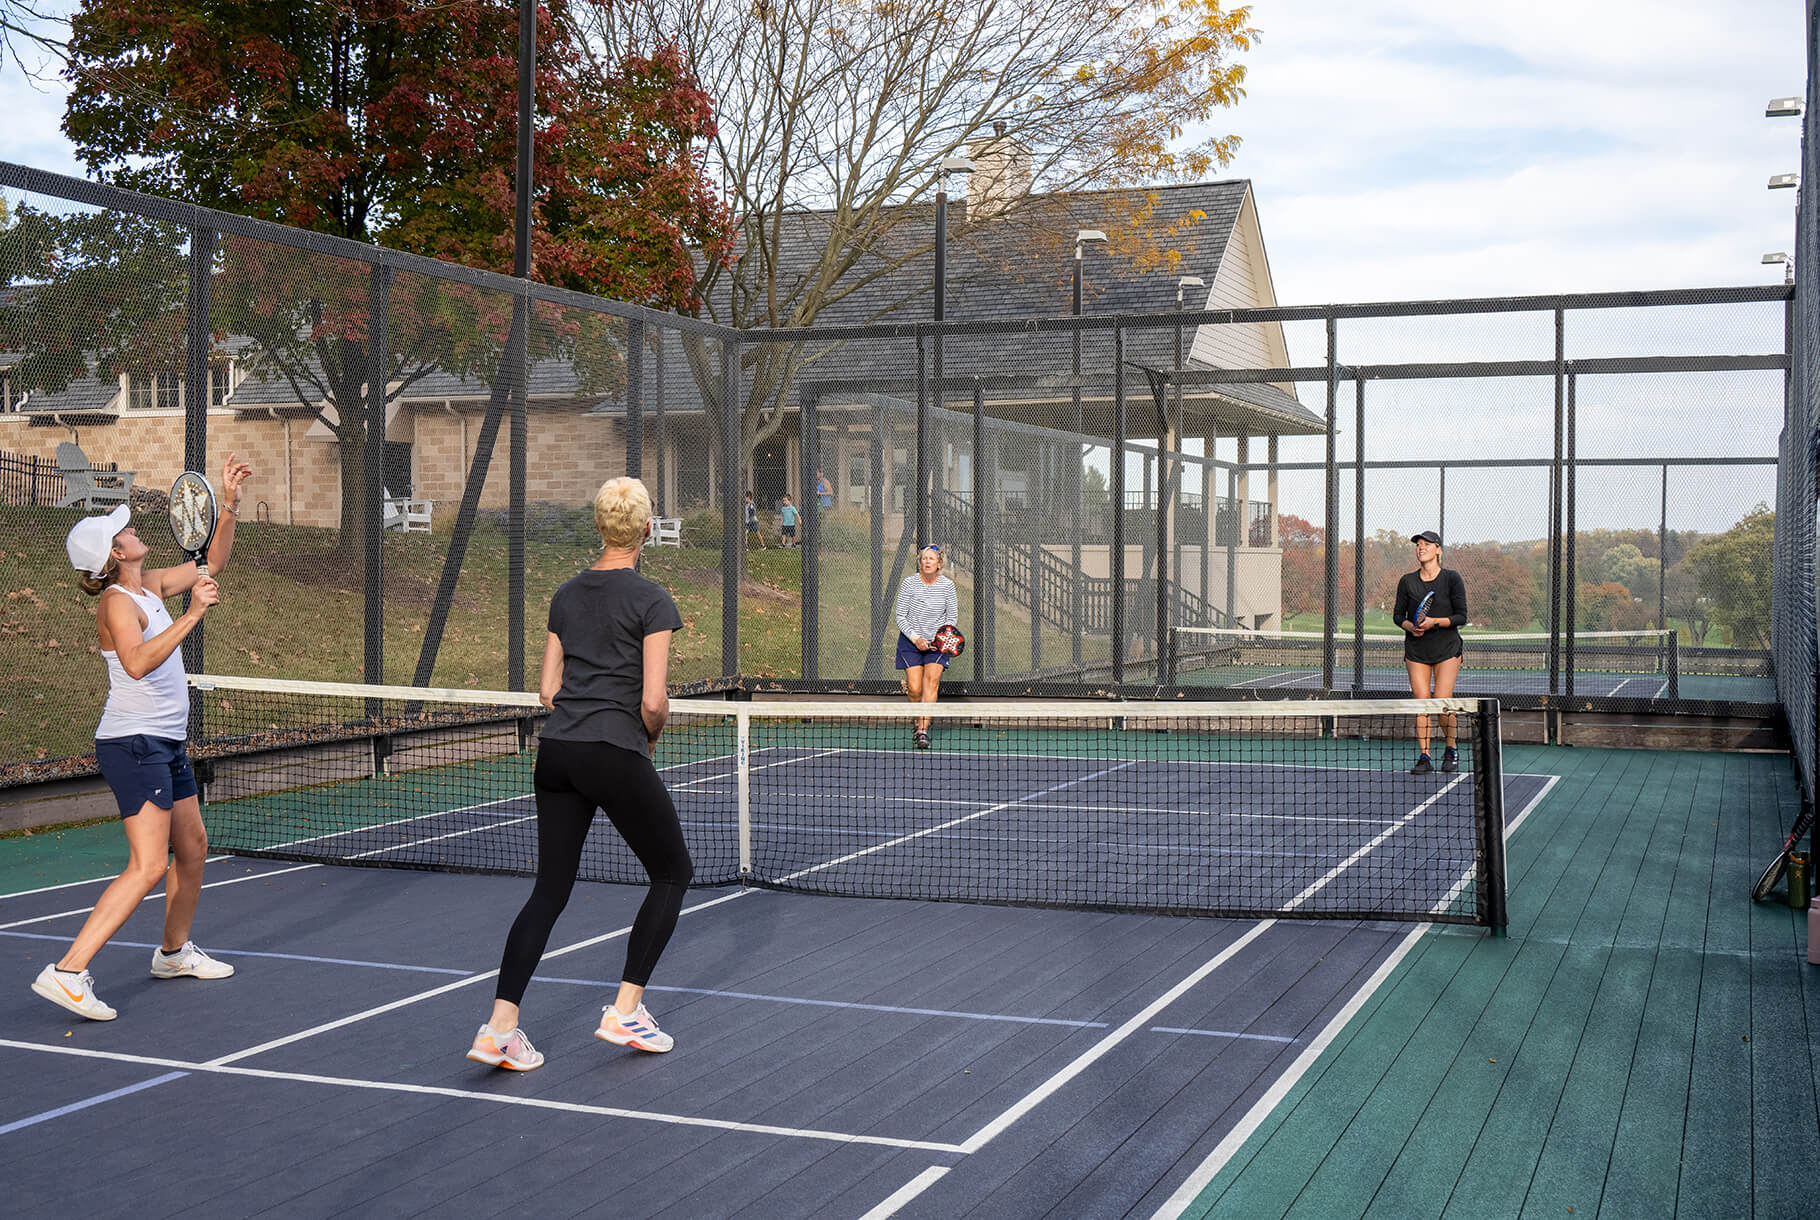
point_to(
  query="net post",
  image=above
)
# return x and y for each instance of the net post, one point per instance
(742, 753)
(1673, 648)
(1171, 645)
(1488, 812)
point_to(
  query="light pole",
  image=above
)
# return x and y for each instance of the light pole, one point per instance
(1082, 239)
(950, 165)
(1182, 286)
(1788, 265)
(924, 487)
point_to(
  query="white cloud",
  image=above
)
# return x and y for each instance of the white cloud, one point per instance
(1408, 148)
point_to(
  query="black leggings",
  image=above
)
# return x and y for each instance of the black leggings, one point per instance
(573, 779)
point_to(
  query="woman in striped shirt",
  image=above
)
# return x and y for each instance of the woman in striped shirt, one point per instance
(926, 602)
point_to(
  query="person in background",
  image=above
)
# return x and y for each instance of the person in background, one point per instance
(926, 602)
(1432, 650)
(824, 493)
(787, 531)
(752, 533)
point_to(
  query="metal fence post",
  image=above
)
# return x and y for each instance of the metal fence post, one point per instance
(198, 339)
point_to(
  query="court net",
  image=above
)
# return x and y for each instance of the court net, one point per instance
(1261, 809)
(1642, 664)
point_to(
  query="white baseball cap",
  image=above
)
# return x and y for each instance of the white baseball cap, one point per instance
(91, 539)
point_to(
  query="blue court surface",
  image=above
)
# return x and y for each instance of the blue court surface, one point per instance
(835, 1056)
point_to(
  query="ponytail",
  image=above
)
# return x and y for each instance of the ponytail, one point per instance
(93, 585)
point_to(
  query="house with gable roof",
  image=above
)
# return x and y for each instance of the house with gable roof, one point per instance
(1007, 267)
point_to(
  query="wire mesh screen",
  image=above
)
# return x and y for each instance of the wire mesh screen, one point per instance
(427, 441)
(1796, 499)
(1307, 811)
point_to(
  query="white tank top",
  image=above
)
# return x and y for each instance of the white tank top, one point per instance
(157, 705)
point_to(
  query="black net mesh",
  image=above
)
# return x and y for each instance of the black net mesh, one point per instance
(1302, 811)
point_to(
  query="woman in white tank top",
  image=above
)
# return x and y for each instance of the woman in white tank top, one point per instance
(139, 743)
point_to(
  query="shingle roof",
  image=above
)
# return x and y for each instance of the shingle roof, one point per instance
(1020, 266)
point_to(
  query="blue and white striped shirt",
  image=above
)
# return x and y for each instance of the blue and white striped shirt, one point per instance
(922, 609)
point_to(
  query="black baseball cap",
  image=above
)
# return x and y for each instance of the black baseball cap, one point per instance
(1427, 536)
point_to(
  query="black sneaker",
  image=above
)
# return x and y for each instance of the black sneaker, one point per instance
(1450, 760)
(1423, 765)
(922, 740)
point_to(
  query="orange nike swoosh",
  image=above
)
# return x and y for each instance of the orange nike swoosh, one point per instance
(75, 996)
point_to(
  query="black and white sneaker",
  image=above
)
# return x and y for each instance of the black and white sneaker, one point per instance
(1450, 759)
(921, 739)
(1423, 765)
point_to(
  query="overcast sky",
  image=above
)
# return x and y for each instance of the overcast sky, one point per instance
(1431, 148)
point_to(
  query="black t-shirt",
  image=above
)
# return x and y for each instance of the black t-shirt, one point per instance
(1436, 644)
(602, 619)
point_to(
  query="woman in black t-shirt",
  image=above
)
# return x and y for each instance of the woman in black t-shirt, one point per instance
(1431, 644)
(605, 662)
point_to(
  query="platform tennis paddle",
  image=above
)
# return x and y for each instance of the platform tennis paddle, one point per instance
(949, 641)
(1779, 865)
(193, 517)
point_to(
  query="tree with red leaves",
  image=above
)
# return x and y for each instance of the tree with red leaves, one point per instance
(396, 123)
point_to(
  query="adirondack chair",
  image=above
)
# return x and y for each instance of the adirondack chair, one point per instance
(666, 531)
(87, 487)
(405, 513)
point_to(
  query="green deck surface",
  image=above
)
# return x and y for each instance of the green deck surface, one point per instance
(1638, 1045)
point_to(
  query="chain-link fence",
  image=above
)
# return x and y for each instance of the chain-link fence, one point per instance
(1796, 493)
(1213, 502)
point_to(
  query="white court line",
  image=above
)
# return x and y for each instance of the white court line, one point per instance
(86, 1102)
(426, 1090)
(311, 959)
(1510, 827)
(895, 1201)
(1086, 1059)
(313, 1031)
(1222, 1033)
(1362, 852)
(1216, 1161)
(277, 872)
(68, 885)
(816, 868)
(1254, 1118)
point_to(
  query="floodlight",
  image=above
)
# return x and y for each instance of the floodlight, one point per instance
(1777, 257)
(1783, 107)
(956, 165)
(1184, 284)
(1784, 181)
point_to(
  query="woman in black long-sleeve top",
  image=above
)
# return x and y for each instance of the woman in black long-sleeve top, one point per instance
(1432, 650)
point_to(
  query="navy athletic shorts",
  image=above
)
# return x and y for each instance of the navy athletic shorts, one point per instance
(141, 769)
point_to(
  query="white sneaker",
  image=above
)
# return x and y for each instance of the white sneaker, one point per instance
(189, 962)
(513, 1050)
(54, 985)
(638, 1031)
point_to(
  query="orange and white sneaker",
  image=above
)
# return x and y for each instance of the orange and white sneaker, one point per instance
(75, 992)
(513, 1050)
(638, 1031)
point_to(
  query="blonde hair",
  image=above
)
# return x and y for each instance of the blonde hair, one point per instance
(93, 585)
(622, 509)
(941, 558)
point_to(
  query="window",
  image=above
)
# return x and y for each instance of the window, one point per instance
(154, 391)
(221, 382)
(164, 391)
